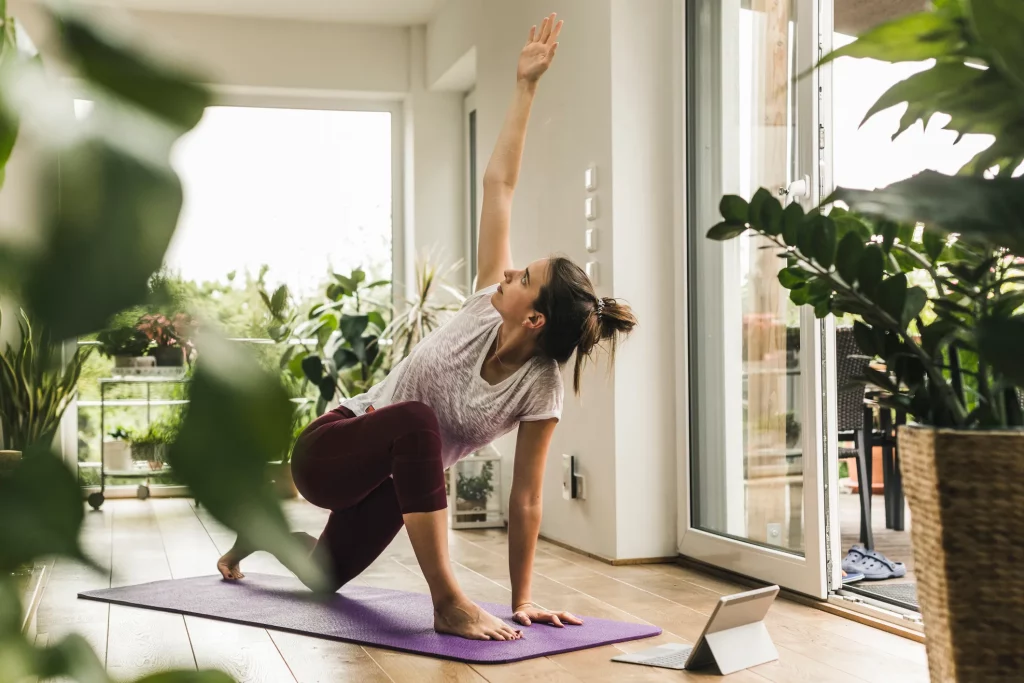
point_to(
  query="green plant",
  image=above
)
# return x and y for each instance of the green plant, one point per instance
(36, 386)
(120, 434)
(122, 341)
(425, 312)
(335, 347)
(950, 352)
(476, 488)
(108, 203)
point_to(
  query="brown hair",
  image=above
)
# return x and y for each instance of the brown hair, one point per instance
(576, 319)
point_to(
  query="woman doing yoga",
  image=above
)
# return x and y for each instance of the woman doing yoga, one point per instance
(377, 461)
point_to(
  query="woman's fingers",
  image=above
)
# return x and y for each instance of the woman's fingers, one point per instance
(570, 619)
(522, 618)
(555, 31)
(547, 27)
(555, 621)
(533, 34)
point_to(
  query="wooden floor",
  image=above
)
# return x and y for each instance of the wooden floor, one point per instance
(893, 544)
(168, 538)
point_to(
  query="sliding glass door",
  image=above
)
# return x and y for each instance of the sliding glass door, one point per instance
(758, 455)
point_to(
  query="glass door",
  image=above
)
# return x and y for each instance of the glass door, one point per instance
(759, 448)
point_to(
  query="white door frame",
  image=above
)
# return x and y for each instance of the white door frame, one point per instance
(814, 573)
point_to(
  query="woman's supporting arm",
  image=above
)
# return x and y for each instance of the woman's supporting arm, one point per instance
(494, 254)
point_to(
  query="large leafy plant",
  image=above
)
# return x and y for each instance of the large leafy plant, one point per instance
(335, 346)
(108, 204)
(949, 351)
(435, 301)
(36, 386)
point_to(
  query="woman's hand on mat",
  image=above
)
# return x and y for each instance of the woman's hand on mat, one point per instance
(529, 613)
(536, 56)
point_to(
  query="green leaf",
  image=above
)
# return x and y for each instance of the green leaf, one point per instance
(106, 61)
(41, 505)
(358, 275)
(280, 298)
(726, 231)
(239, 419)
(851, 247)
(353, 326)
(377, 320)
(847, 222)
(805, 237)
(822, 308)
(934, 243)
(880, 379)
(312, 368)
(888, 230)
(999, 344)
(891, 295)
(866, 340)
(378, 283)
(799, 296)
(345, 358)
(824, 242)
(295, 364)
(792, 217)
(914, 303)
(999, 25)
(71, 658)
(327, 387)
(943, 77)
(869, 272)
(104, 239)
(991, 211)
(761, 195)
(287, 356)
(912, 38)
(771, 216)
(793, 277)
(1007, 304)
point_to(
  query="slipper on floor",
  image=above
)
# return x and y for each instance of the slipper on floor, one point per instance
(852, 577)
(853, 558)
(877, 567)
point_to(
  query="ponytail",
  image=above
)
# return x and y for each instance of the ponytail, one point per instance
(576, 319)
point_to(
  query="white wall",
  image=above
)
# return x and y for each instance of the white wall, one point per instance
(642, 92)
(451, 39)
(608, 100)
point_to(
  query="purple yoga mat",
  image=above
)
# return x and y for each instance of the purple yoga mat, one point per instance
(357, 614)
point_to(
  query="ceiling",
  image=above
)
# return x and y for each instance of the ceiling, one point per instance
(390, 12)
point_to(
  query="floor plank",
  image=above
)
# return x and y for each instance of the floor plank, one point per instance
(142, 641)
(161, 538)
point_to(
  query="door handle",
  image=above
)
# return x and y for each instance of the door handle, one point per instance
(799, 188)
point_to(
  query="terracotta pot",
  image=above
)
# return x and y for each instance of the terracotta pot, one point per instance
(8, 461)
(877, 475)
(279, 474)
(966, 495)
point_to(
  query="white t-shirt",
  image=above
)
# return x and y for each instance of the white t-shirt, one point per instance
(443, 371)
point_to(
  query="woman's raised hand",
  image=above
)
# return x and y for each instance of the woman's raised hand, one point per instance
(539, 50)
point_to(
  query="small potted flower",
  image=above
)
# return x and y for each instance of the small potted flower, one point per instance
(170, 338)
(117, 450)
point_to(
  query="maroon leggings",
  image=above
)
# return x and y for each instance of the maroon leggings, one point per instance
(368, 471)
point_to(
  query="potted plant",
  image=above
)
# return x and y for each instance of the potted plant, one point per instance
(117, 450)
(279, 474)
(170, 338)
(124, 342)
(472, 492)
(36, 388)
(948, 351)
(426, 311)
(150, 445)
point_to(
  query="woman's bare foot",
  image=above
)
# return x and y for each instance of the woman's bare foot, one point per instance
(462, 617)
(228, 564)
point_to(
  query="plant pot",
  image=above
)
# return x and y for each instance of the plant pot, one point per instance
(151, 453)
(117, 455)
(134, 362)
(966, 495)
(8, 462)
(279, 474)
(168, 356)
(462, 506)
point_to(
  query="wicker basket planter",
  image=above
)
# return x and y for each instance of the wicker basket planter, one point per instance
(966, 495)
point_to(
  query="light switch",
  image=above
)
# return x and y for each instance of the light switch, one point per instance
(591, 240)
(590, 178)
(590, 208)
(592, 272)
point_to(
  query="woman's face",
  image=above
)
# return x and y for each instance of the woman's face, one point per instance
(517, 293)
